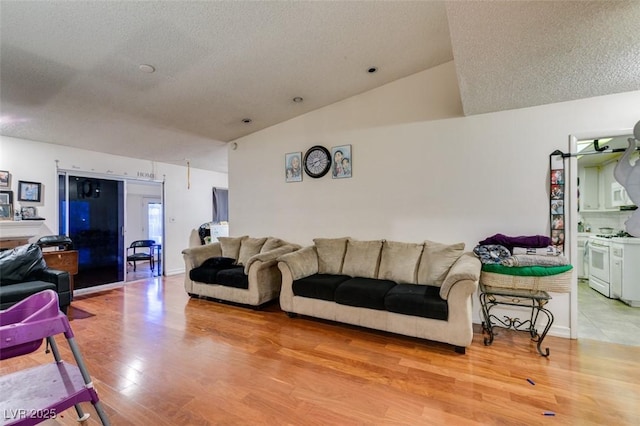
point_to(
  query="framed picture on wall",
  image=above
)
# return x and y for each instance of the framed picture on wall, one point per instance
(293, 167)
(5, 212)
(5, 179)
(557, 192)
(6, 197)
(341, 161)
(29, 191)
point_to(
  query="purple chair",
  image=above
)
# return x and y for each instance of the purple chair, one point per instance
(33, 395)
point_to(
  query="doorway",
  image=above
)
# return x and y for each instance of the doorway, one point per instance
(144, 222)
(598, 316)
(92, 215)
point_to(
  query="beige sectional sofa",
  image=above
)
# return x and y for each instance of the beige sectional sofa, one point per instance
(421, 290)
(240, 270)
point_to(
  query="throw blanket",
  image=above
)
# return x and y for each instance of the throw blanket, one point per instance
(546, 251)
(527, 271)
(533, 260)
(522, 241)
(492, 253)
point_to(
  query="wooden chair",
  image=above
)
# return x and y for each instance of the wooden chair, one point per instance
(145, 254)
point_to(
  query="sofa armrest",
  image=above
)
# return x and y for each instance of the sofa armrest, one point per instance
(268, 258)
(466, 268)
(301, 263)
(195, 256)
(60, 278)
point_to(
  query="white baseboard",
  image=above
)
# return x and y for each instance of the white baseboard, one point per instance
(174, 272)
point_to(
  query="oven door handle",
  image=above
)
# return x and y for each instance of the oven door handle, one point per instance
(598, 245)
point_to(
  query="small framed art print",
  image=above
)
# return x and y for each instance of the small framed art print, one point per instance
(6, 212)
(341, 160)
(5, 179)
(29, 191)
(293, 167)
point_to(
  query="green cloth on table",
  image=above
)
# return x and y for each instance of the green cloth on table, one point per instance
(526, 271)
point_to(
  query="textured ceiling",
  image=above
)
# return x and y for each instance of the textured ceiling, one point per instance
(69, 70)
(513, 54)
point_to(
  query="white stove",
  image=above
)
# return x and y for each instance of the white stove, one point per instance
(599, 262)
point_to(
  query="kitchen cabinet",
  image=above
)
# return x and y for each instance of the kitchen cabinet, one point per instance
(590, 189)
(595, 187)
(625, 269)
(607, 178)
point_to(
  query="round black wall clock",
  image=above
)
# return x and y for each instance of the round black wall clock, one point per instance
(317, 161)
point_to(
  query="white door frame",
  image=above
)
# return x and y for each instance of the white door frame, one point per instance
(572, 225)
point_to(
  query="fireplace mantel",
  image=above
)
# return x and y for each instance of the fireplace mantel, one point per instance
(15, 233)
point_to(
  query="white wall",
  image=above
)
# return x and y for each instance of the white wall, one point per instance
(188, 201)
(420, 169)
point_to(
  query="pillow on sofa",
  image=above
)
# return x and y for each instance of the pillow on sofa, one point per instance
(436, 261)
(17, 264)
(399, 262)
(231, 246)
(218, 262)
(362, 259)
(250, 247)
(330, 254)
(272, 244)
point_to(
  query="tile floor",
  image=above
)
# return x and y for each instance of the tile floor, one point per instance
(604, 319)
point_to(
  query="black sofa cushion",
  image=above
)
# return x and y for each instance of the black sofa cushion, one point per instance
(233, 277)
(14, 293)
(219, 262)
(208, 273)
(318, 286)
(363, 292)
(417, 300)
(204, 274)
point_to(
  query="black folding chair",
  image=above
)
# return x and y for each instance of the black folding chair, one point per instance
(142, 252)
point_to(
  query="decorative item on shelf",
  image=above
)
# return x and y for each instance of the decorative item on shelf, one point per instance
(5, 179)
(557, 199)
(6, 205)
(293, 167)
(5, 212)
(317, 161)
(29, 191)
(30, 213)
(341, 161)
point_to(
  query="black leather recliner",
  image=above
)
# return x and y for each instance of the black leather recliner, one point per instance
(23, 272)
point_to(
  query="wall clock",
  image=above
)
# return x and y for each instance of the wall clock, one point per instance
(317, 161)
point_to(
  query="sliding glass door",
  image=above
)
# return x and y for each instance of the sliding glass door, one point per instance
(92, 215)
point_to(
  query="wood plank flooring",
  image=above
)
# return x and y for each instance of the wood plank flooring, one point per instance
(159, 358)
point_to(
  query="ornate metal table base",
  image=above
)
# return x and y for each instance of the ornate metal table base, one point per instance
(491, 297)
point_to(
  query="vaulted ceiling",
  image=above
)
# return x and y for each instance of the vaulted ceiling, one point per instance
(70, 72)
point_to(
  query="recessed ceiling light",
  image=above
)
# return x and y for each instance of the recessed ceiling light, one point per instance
(246, 120)
(147, 68)
(371, 70)
(297, 99)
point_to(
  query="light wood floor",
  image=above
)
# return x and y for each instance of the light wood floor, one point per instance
(159, 358)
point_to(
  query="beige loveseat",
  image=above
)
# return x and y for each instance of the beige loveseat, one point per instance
(421, 290)
(241, 270)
